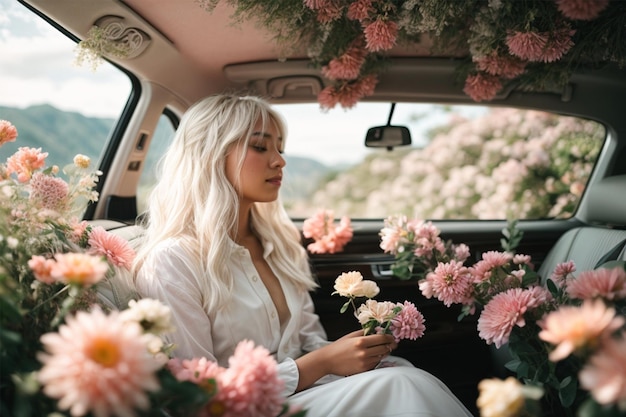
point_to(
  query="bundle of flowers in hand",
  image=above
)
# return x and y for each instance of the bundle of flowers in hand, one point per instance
(417, 246)
(402, 320)
(327, 236)
(63, 351)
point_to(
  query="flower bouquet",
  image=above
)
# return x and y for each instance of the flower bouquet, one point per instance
(402, 320)
(62, 350)
(566, 336)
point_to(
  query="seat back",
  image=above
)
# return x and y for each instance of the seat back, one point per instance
(586, 245)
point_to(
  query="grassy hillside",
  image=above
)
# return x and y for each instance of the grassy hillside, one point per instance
(62, 134)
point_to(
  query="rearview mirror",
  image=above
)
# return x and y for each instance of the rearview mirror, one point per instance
(387, 137)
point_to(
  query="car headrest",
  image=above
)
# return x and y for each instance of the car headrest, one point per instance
(607, 201)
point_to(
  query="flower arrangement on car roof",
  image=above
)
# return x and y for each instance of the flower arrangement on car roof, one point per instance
(62, 349)
(566, 334)
(528, 45)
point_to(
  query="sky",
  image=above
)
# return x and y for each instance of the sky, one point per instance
(37, 66)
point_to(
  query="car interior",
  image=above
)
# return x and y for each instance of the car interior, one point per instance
(184, 51)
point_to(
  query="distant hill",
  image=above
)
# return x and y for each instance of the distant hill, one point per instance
(74, 131)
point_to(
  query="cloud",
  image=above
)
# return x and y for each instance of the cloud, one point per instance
(38, 67)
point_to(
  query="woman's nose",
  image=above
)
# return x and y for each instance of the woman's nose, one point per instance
(278, 159)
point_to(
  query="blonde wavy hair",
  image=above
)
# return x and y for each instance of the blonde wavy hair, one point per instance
(194, 202)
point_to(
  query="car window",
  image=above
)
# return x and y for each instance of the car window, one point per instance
(465, 162)
(56, 105)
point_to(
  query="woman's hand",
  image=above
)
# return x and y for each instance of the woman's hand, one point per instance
(349, 355)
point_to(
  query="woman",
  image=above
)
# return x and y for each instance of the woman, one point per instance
(221, 251)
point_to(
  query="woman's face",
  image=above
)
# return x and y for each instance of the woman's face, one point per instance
(262, 171)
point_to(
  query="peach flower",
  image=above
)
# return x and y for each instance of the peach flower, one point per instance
(581, 9)
(500, 398)
(8, 132)
(482, 86)
(98, 364)
(374, 310)
(25, 161)
(604, 375)
(573, 328)
(351, 284)
(79, 268)
(380, 35)
(42, 268)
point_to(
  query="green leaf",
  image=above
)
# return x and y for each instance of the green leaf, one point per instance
(567, 391)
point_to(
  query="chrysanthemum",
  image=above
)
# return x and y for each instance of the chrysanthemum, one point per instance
(608, 283)
(572, 328)
(115, 248)
(528, 46)
(48, 192)
(26, 161)
(558, 44)
(482, 270)
(604, 375)
(347, 66)
(503, 312)
(380, 35)
(562, 272)
(408, 324)
(581, 9)
(98, 364)
(449, 282)
(359, 10)
(78, 268)
(482, 86)
(82, 161)
(8, 132)
(501, 66)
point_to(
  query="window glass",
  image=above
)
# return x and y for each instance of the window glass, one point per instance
(163, 135)
(465, 162)
(55, 105)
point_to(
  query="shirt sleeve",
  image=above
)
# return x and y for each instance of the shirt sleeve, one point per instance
(168, 276)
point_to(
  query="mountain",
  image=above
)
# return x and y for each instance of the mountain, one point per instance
(53, 125)
(74, 130)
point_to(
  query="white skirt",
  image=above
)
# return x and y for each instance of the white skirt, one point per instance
(396, 391)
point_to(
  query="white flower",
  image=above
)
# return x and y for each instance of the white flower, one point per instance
(153, 316)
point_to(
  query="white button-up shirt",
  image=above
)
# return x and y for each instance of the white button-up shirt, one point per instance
(168, 275)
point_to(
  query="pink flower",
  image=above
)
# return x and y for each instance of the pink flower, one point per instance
(78, 268)
(581, 9)
(25, 161)
(541, 47)
(78, 230)
(115, 248)
(482, 86)
(380, 35)
(603, 282)
(359, 10)
(251, 386)
(491, 260)
(503, 312)
(393, 235)
(8, 132)
(347, 66)
(449, 282)
(604, 375)
(559, 43)
(408, 324)
(572, 328)
(347, 93)
(328, 237)
(41, 268)
(562, 272)
(98, 364)
(528, 46)
(461, 252)
(48, 192)
(501, 66)
(327, 10)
